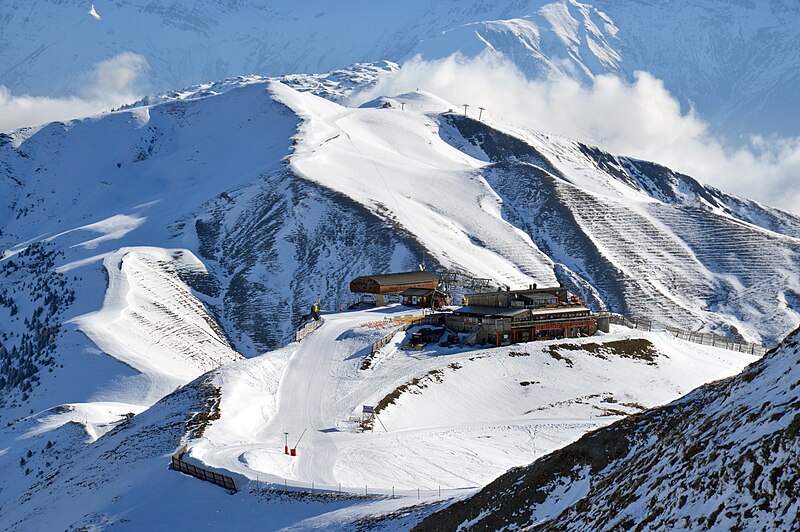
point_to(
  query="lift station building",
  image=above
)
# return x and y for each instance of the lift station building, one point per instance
(393, 283)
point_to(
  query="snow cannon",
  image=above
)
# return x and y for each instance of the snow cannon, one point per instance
(293, 450)
(286, 449)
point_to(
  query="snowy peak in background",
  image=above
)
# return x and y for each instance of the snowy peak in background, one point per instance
(729, 60)
(337, 85)
(734, 62)
(559, 38)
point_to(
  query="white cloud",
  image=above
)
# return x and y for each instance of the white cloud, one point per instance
(640, 118)
(110, 83)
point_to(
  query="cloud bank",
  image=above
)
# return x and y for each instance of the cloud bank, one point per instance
(110, 83)
(639, 118)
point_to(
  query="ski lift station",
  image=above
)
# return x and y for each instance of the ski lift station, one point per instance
(393, 284)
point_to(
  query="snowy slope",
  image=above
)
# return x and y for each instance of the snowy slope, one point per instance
(725, 456)
(733, 61)
(447, 418)
(85, 199)
(433, 437)
(418, 180)
(140, 325)
(55, 481)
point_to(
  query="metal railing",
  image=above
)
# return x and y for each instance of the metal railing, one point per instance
(432, 319)
(471, 337)
(710, 339)
(428, 493)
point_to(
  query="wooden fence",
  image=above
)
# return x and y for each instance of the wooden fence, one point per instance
(432, 319)
(711, 339)
(305, 330)
(223, 481)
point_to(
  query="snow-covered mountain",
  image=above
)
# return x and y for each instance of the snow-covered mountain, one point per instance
(734, 61)
(724, 456)
(200, 225)
(730, 60)
(190, 231)
(156, 260)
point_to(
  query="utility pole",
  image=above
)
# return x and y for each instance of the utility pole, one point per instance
(466, 105)
(480, 112)
(402, 106)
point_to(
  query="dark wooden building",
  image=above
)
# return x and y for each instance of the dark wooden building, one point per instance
(423, 297)
(527, 298)
(512, 316)
(393, 283)
(503, 326)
